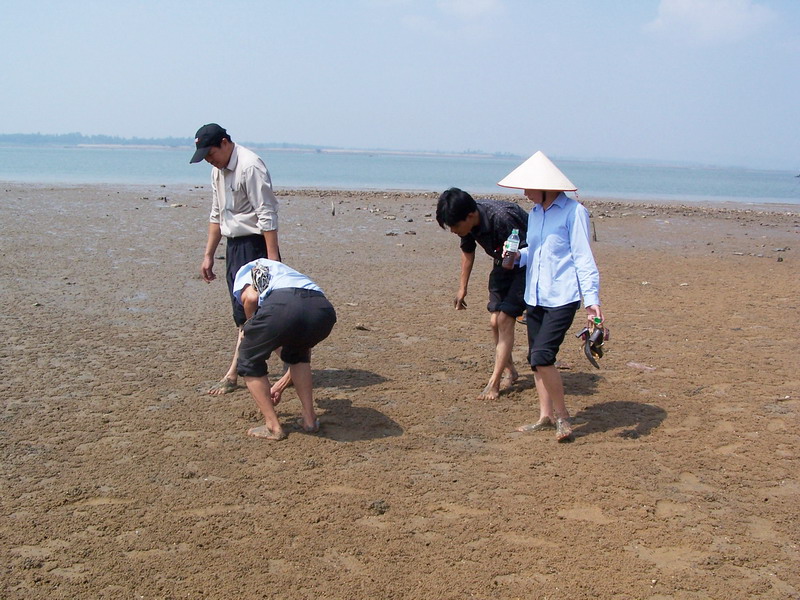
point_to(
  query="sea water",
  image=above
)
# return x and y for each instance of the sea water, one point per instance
(388, 171)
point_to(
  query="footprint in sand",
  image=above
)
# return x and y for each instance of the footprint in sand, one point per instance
(668, 558)
(666, 509)
(591, 513)
(689, 482)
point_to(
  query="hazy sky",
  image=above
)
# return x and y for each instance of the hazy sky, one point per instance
(711, 81)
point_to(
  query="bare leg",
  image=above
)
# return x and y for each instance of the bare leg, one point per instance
(551, 392)
(260, 390)
(228, 383)
(552, 407)
(503, 334)
(510, 374)
(301, 377)
(231, 375)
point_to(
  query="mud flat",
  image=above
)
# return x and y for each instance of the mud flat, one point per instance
(122, 479)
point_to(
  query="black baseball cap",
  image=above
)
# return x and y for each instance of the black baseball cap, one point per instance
(207, 137)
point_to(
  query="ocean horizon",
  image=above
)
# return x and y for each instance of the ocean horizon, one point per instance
(339, 169)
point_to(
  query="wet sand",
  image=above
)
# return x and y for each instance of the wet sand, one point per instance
(121, 479)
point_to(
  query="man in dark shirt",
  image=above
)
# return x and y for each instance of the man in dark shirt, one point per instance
(488, 223)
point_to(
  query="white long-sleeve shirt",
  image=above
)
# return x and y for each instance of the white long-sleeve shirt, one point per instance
(243, 202)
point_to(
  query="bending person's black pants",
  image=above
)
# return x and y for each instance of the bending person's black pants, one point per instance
(292, 319)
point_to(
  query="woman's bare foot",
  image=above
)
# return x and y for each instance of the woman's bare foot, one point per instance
(262, 431)
(540, 425)
(563, 430)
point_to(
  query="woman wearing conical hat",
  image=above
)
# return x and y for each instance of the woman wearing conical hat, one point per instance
(560, 272)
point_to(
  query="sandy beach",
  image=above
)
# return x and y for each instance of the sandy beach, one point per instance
(122, 479)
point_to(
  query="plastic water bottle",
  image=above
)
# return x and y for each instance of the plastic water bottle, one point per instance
(511, 247)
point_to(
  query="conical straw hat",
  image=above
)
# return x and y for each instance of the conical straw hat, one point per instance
(537, 173)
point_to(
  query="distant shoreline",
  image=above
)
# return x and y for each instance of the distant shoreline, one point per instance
(79, 140)
(299, 149)
(306, 149)
(259, 146)
(359, 169)
(385, 152)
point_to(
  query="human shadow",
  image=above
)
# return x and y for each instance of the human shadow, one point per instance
(344, 422)
(638, 419)
(580, 383)
(348, 379)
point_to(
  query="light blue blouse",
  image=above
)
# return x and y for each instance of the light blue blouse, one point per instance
(560, 267)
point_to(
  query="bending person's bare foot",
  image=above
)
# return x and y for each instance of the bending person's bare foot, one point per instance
(489, 393)
(313, 428)
(223, 386)
(508, 379)
(262, 431)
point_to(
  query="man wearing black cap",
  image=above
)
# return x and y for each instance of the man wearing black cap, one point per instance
(244, 209)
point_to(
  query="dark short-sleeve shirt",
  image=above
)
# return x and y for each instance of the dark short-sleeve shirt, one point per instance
(497, 219)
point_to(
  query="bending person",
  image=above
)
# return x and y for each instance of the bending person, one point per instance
(488, 223)
(560, 271)
(285, 310)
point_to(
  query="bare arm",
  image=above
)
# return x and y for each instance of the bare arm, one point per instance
(207, 267)
(265, 204)
(273, 251)
(249, 298)
(277, 388)
(467, 260)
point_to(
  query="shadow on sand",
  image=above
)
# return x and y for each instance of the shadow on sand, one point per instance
(346, 379)
(344, 422)
(638, 419)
